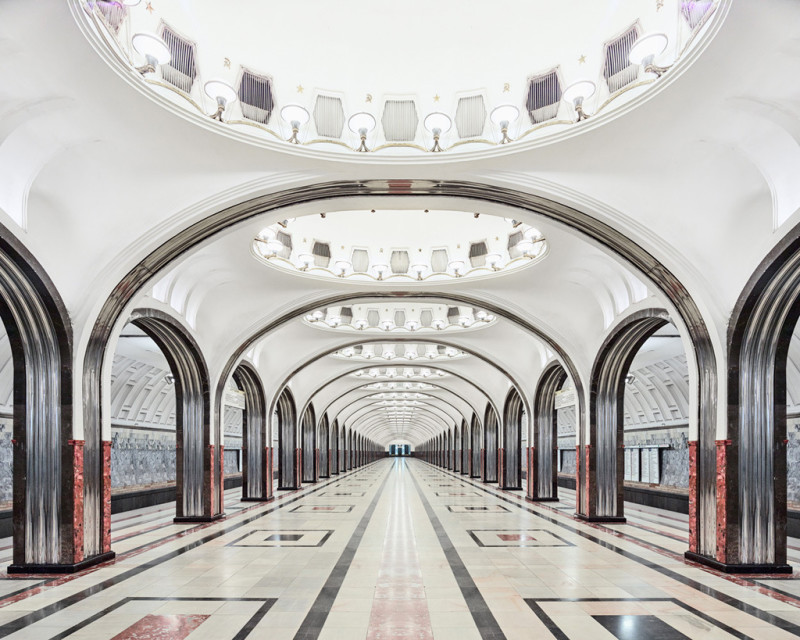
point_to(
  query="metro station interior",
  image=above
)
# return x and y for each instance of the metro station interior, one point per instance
(418, 320)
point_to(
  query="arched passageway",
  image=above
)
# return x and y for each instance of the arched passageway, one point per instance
(310, 452)
(288, 450)
(256, 449)
(542, 456)
(490, 438)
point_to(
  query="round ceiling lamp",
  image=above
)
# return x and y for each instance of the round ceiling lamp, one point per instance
(437, 123)
(296, 116)
(503, 116)
(154, 49)
(576, 93)
(362, 123)
(645, 50)
(223, 93)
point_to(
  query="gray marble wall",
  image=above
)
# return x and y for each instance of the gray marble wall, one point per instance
(674, 458)
(6, 455)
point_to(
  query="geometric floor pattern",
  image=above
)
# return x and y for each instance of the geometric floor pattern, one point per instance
(416, 552)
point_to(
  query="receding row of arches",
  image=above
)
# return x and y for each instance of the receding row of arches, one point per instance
(737, 487)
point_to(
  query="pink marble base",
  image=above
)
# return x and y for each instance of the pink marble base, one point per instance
(153, 627)
(77, 528)
(105, 540)
(694, 529)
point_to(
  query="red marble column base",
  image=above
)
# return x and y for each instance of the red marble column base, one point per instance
(77, 524)
(694, 528)
(105, 539)
(298, 468)
(78, 561)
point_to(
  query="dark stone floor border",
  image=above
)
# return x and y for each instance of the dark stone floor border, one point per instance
(312, 624)
(487, 625)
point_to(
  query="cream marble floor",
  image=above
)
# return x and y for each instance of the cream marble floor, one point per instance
(400, 549)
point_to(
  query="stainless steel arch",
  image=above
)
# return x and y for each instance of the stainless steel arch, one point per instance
(611, 239)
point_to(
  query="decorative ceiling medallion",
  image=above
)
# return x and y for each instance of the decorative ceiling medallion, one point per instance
(423, 246)
(399, 351)
(400, 318)
(199, 35)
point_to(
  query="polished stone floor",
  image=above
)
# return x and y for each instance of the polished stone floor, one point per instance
(399, 549)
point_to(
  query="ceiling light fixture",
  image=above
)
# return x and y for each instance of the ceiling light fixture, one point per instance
(494, 260)
(343, 266)
(645, 50)
(361, 324)
(296, 116)
(576, 93)
(223, 93)
(419, 269)
(456, 266)
(361, 123)
(437, 123)
(380, 268)
(412, 325)
(154, 49)
(306, 260)
(503, 116)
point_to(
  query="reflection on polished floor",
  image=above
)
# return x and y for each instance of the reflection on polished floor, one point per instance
(400, 549)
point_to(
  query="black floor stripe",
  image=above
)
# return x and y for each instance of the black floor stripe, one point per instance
(752, 610)
(315, 619)
(481, 614)
(34, 616)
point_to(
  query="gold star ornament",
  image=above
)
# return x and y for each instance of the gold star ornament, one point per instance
(300, 88)
(149, 8)
(582, 60)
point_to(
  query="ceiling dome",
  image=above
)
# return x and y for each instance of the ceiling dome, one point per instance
(400, 246)
(353, 75)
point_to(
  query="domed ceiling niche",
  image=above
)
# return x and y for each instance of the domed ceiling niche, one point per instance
(381, 78)
(400, 246)
(398, 318)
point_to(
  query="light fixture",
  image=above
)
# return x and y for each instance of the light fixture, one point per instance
(388, 354)
(645, 50)
(334, 321)
(387, 325)
(319, 315)
(630, 379)
(576, 93)
(306, 260)
(439, 324)
(223, 93)
(412, 325)
(169, 379)
(481, 315)
(380, 268)
(419, 269)
(273, 246)
(154, 50)
(494, 261)
(361, 123)
(348, 352)
(465, 321)
(451, 353)
(296, 116)
(411, 354)
(503, 116)
(360, 324)
(437, 123)
(456, 266)
(343, 266)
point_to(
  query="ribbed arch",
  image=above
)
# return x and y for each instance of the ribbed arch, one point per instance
(256, 467)
(288, 451)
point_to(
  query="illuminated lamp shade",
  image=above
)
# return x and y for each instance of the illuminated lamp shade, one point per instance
(335, 321)
(296, 116)
(305, 260)
(223, 93)
(387, 325)
(439, 324)
(456, 266)
(503, 116)
(343, 266)
(362, 123)
(576, 93)
(380, 268)
(465, 321)
(154, 50)
(437, 123)
(419, 269)
(494, 261)
(410, 354)
(273, 246)
(361, 323)
(412, 325)
(645, 50)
